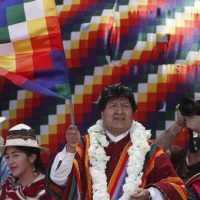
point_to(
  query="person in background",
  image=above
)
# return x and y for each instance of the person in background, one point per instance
(4, 169)
(115, 160)
(186, 160)
(22, 151)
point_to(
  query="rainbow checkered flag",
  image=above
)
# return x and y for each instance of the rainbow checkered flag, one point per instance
(31, 48)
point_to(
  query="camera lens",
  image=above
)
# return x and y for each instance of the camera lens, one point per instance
(189, 107)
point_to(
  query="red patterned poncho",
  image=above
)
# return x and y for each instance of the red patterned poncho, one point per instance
(157, 172)
(11, 189)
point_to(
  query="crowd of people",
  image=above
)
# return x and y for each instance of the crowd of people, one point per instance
(116, 159)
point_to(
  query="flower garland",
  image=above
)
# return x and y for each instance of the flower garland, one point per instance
(98, 160)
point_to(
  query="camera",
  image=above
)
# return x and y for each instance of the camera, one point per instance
(189, 107)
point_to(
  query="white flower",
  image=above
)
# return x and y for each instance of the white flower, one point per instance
(98, 160)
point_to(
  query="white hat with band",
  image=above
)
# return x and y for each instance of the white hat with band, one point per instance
(2, 119)
(22, 135)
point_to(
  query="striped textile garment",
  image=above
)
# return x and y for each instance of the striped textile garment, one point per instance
(157, 172)
(4, 170)
(11, 189)
(194, 183)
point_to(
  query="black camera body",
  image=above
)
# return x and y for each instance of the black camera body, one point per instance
(189, 107)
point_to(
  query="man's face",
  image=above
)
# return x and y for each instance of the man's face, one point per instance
(117, 116)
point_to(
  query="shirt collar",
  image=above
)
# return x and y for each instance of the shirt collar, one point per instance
(116, 138)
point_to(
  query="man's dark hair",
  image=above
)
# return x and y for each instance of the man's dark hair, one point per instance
(114, 91)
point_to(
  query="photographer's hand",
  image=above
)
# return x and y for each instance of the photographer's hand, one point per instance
(193, 122)
(165, 139)
(180, 119)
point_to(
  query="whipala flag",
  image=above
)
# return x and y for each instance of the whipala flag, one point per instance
(31, 47)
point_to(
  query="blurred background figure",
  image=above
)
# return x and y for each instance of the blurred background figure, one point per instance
(22, 153)
(4, 169)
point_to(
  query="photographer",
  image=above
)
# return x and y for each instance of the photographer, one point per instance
(185, 160)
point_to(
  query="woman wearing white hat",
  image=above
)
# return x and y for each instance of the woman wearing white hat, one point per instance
(23, 157)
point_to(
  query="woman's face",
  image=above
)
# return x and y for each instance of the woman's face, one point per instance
(20, 163)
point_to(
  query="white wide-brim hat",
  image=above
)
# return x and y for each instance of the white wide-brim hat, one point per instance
(2, 119)
(24, 136)
(1, 139)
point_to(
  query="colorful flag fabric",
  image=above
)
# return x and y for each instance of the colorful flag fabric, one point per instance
(153, 46)
(31, 48)
(120, 33)
(157, 90)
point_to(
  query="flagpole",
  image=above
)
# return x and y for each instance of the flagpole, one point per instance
(71, 107)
